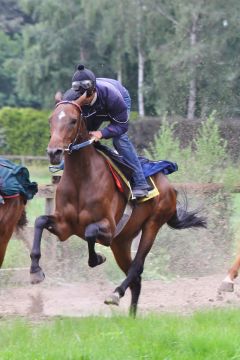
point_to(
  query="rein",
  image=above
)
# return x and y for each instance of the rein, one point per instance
(73, 146)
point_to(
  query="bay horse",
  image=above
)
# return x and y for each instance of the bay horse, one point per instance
(12, 217)
(89, 205)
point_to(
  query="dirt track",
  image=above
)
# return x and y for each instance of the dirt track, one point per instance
(87, 298)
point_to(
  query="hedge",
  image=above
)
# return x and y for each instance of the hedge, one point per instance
(24, 131)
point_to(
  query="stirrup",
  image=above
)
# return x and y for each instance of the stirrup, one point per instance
(139, 193)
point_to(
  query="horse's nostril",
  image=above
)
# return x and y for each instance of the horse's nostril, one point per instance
(59, 152)
(54, 152)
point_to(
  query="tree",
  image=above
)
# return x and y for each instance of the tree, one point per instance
(10, 52)
(53, 45)
(178, 56)
(12, 18)
(115, 40)
(194, 62)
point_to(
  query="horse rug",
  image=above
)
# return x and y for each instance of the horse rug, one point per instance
(15, 181)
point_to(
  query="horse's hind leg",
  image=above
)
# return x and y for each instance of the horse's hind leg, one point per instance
(4, 239)
(135, 288)
(36, 273)
(133, 279)
(122, 252)
(9, 217)
(5, 236)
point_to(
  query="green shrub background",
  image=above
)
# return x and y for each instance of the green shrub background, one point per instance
(24, 131)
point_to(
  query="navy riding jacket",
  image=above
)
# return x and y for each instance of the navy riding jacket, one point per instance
(112, 104)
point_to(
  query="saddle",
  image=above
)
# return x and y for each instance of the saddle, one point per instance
(122, 170)
(149, 167)
(117, 159)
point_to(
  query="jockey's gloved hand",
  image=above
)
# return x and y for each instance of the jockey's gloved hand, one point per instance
(97, 135)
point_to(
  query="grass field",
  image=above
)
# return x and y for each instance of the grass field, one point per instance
(206, 336)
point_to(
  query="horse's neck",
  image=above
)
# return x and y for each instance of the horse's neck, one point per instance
(80, 164)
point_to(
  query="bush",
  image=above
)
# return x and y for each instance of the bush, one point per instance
(211, 153)
(25, 131)
(205, 159)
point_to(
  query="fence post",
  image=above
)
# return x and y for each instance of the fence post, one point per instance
(49, 202)
(22, 160)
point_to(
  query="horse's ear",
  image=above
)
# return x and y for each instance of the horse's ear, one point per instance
(58, 97)
(82, 100)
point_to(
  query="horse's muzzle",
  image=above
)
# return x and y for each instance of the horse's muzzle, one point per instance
(55, 155)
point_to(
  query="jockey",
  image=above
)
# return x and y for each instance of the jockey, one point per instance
(107, 100)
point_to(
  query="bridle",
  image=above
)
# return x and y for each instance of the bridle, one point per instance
(74, 146)
(69, 102)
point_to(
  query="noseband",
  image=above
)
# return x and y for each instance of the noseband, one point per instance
(73, 146)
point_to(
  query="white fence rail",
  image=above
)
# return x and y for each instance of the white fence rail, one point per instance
(24, 158)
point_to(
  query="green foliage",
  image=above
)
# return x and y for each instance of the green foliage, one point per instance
(41, 43)
(165, 145)
(26, 131)
(10, 52)
(204, 160)
(134, 116)
(211, 153)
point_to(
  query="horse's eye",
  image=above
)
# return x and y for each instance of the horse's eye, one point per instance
(73, 122)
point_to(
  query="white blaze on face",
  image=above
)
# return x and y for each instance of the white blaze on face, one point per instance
(61, 115)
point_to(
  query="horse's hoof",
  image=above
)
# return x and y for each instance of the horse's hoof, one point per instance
(37, 277)
(226, 287)
(112, 299)
(98, 260)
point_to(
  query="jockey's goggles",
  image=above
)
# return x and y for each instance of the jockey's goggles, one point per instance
(82, 85)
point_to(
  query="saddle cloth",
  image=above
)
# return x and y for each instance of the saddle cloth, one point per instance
(119, 176)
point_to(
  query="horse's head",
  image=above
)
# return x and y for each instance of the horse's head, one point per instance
(66, 127)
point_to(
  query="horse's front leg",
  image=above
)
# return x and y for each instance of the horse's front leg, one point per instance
(101, 231)
(42, 222)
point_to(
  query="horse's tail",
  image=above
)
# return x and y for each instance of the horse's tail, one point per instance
(184, 219)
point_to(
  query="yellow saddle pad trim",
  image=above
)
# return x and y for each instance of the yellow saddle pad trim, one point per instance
(151, 194)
